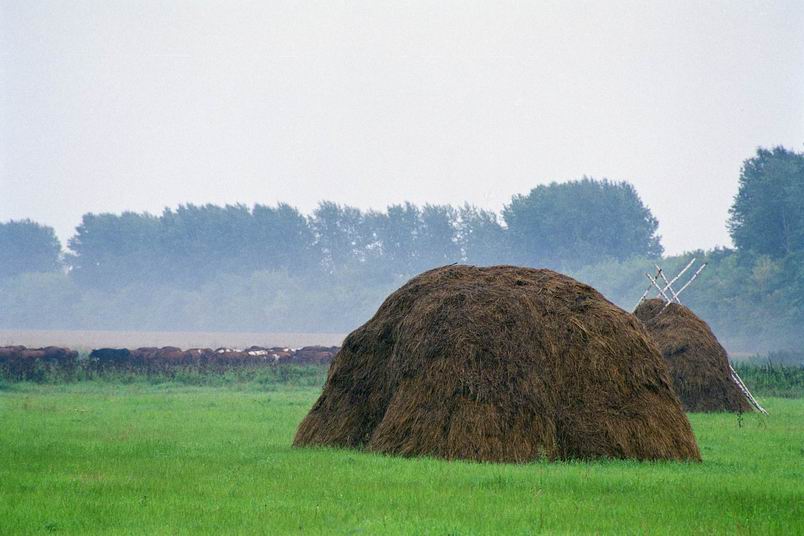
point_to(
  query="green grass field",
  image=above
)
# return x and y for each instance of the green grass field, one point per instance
(169, 459)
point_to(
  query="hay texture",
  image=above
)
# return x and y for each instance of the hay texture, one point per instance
(500, 364)
(699, 365)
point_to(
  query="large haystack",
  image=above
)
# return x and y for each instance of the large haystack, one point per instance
(699, 365)
(500, 364)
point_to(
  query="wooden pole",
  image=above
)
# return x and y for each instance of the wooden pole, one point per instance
(688, 283)
(683, 270)
(668, 285)
(645, 294)
(655, 284)
(741, 385)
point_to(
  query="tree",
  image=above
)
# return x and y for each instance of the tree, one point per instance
(339, 235)
(436, 241)
(481, 237)
(580, 222)
(198, 242)
(110, 250)
(26, 246)
(767, 216)
(280, 238)
(397, 233)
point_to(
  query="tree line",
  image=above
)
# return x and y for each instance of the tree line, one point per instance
(272, 268)
(557, 225)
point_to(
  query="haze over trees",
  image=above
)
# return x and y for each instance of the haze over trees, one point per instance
(767, 217)
(272, 268)
(560, 225)
(581, 222)
(27, 247)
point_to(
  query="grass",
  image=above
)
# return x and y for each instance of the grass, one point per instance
(104, 458)
(764, 375)
(773, 378)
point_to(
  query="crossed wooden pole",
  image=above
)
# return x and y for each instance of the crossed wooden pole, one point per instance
(668, 285)
(674, 298)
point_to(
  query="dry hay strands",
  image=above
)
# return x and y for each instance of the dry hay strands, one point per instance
(502, 364)
(699, 365)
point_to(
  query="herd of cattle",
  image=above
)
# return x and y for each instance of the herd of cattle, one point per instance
(21, 363)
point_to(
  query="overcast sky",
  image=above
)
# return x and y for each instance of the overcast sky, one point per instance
(108, 106)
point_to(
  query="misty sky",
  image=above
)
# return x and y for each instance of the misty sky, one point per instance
(107, 106)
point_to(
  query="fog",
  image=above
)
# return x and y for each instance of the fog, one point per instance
(223, 167)
(112, 106)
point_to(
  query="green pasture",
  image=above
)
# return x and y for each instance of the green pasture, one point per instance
(108, 458)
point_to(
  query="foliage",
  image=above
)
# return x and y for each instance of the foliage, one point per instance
(780, 358)
(775, 374)
(749, 306)
(573, 224)
(773, 378)
(271, 268)
(262, 301)
(110, 250)
(339, 233)
(267, 377)
(582, 222)
(188, 246)
(27, 247)
(767, 217)
(482, 238)
(41, 300)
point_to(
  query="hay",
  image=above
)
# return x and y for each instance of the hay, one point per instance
(500, 364)
(699, 365)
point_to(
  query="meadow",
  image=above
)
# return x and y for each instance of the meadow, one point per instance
(138, 457)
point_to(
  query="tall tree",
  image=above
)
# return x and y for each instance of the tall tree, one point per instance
(398, 234)
(110, 250)
(373, 223)
(200, 241)
(580, 222)
(26, 246)
(280, 238)
(483, 240)
(767, 216)
(436, 240)
(339, 234)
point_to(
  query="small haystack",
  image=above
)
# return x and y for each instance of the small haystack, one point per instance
(501, 364)
(699, 365)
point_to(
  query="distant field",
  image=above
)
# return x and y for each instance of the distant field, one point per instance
(170, 459)
(182, 339)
